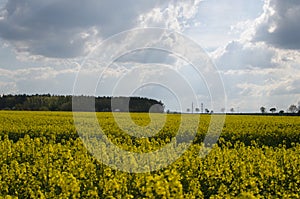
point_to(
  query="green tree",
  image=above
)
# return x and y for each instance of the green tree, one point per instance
(262, 110)
(273, 110)
(293, 108)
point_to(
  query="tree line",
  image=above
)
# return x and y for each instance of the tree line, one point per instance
(292, 110)
(47, 102)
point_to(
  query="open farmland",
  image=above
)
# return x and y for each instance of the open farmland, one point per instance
(42, 156)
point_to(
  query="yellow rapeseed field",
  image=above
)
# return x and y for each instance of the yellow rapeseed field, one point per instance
(45, 155)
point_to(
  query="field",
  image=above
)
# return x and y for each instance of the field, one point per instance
(43, 156)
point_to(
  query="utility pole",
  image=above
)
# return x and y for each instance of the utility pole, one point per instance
(192, 107)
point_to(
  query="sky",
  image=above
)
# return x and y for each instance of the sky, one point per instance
(53, 46)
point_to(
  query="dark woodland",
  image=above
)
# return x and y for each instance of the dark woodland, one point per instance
(49, 102)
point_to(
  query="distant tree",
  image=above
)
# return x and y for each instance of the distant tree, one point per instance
(206, 110)
(262, 110)
(188, 110)
(293, 109)
(197, 110)
(281, 112)
(273, 110)
(211, 112)
(222, 110)
(232, 110)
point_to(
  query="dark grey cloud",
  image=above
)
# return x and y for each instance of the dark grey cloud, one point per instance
(280, 25)
(61, 28)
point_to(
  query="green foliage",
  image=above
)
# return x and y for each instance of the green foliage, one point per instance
(64, 103)
(41, 156)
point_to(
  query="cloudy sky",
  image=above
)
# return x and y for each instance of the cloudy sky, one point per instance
(254, 45)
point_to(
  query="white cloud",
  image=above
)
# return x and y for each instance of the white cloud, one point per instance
(37, 80)
(178, 15)
(8, 87)
(33, 73)
(239, 55)
(221, 21)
